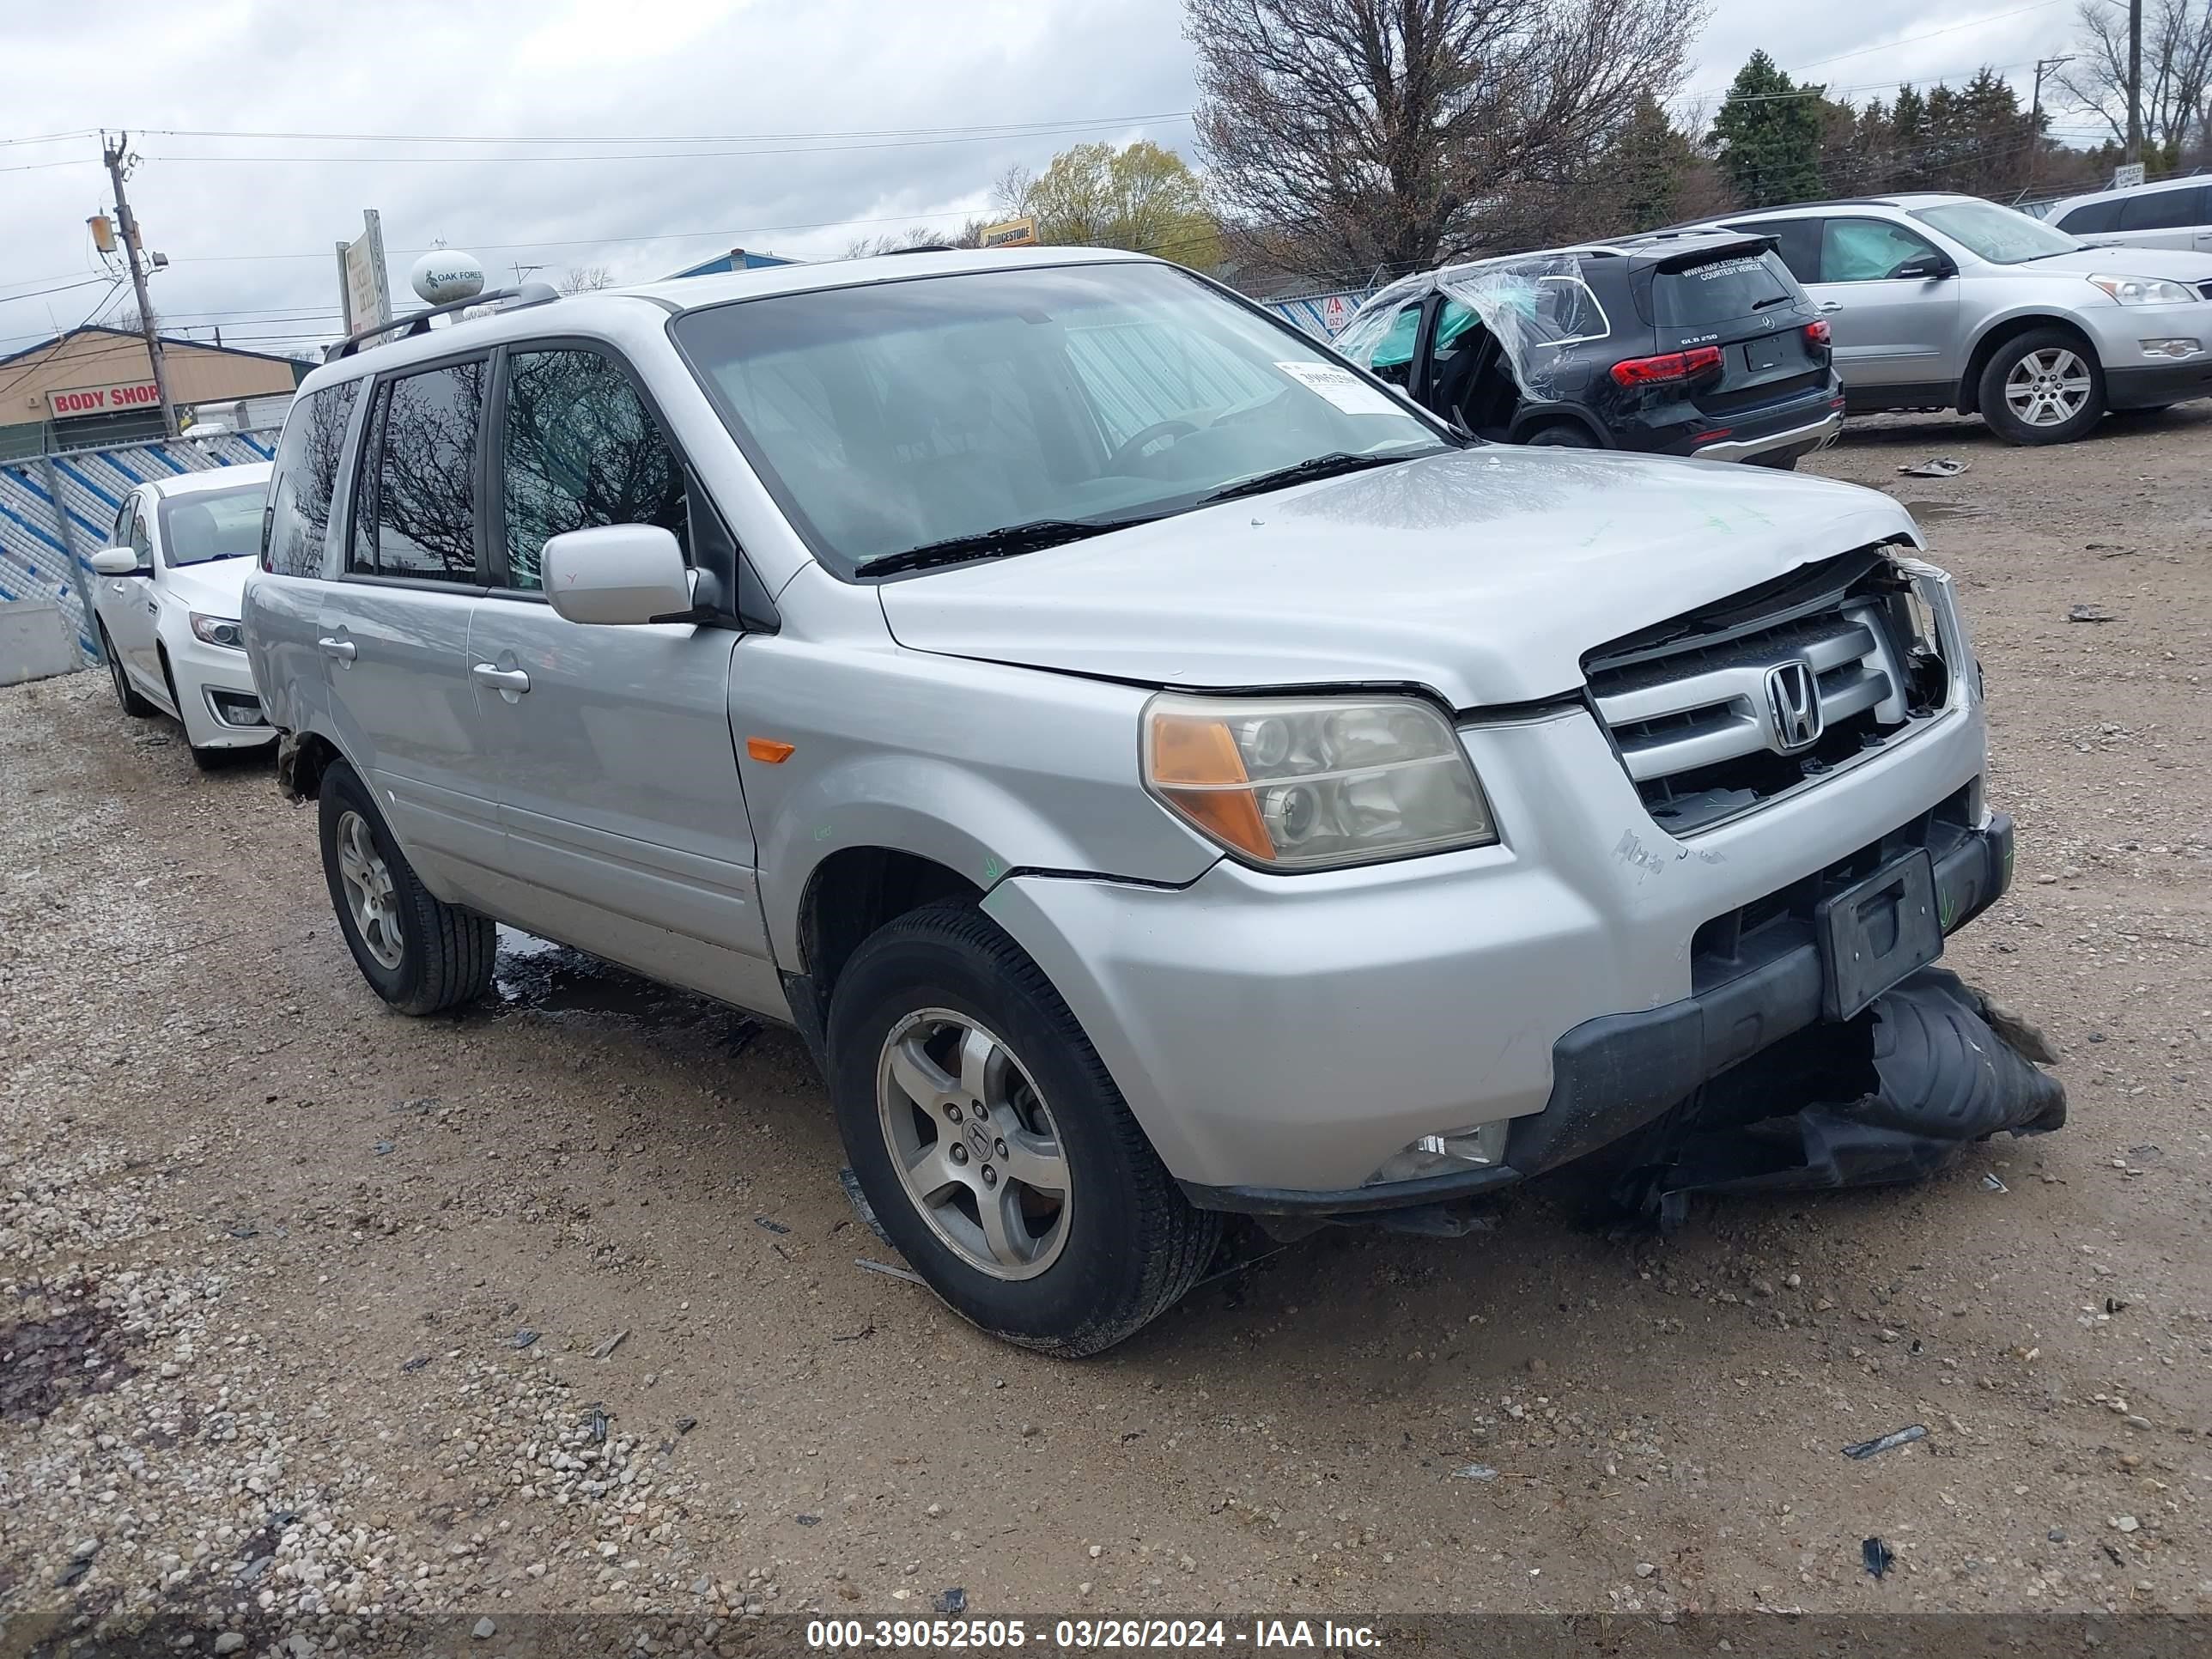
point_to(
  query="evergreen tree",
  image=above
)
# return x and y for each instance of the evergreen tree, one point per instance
(1769, 131)
(1908, 140)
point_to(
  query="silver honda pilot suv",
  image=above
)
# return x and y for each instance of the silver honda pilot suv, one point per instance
(1161, 773)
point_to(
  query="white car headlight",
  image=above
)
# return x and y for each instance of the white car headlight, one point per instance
(219, 630)
(2147, 290)
(1309, 782)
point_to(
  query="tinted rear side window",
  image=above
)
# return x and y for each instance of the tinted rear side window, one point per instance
(415, 510)
(2092, 217)
(2163, 209)
(298, 516)
(1723, 291)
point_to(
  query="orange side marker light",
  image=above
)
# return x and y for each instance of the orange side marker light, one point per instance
(769, 751)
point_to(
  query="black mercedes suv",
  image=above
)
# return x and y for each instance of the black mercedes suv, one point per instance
(1674, 343)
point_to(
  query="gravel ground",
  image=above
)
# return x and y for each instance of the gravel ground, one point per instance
(310, 1312)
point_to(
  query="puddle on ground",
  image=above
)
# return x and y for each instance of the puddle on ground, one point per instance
(536, 977)
(1936, 512)
(72, 1348)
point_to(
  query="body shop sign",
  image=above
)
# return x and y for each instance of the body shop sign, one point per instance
(120, 398)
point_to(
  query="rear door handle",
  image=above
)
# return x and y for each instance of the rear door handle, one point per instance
(341, 649)
(506, 679)
(1832, 306)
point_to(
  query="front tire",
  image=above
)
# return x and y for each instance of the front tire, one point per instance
(420, 955)
(2044, 387)
(133, 705)
(993, 1146)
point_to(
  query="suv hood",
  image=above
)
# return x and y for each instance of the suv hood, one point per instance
(2120, 260)
(1483, 574)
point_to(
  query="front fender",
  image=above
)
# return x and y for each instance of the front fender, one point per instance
(935, 809)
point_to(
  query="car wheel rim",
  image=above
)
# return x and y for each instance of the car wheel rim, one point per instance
(370, 895)
(2048, 387)
(974, 1144)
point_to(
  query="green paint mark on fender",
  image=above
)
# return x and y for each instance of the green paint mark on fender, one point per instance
(992, 869)
(823, 833)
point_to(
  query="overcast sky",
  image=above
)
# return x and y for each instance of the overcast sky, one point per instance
(848, 117)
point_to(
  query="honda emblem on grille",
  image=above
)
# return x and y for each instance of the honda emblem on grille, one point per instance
(1793, 705)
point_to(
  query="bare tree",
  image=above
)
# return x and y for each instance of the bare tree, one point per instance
(1346, 135)
(2177, 72)
(969, 234)
(585, 279)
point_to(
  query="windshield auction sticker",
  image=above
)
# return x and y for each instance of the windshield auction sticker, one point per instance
(1345, 390)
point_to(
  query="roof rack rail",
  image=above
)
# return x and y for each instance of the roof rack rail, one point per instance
(405, 328)
(920, 247)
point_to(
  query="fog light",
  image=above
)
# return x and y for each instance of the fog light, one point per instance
(2180, 346)
(1480, 1148)
(234, 707)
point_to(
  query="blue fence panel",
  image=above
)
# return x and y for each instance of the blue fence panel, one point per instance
(55, 511)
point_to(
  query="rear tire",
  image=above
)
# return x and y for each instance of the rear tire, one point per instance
(939, 1010)
(133, 705)
(2045, 387)
(1560, 434)
(418, 953)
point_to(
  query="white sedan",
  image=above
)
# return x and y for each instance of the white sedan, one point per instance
(166, 601)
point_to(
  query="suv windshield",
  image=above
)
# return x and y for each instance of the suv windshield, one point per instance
(212, 524)
(993, 412)
(1999, 234)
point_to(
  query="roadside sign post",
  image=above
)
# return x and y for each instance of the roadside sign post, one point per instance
(364, 286)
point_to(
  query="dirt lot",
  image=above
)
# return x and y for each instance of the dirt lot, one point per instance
(272, 1254)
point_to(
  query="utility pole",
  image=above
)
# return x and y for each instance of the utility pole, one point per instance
(127, 223)
(2134, 81)
(2043, 67)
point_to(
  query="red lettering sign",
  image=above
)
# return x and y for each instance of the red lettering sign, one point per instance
(94, 400)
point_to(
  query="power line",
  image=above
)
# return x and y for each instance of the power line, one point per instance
(984, 130)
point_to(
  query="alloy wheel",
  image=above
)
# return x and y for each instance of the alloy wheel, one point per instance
(370, 894)
(2048, 387)
(973, 1141)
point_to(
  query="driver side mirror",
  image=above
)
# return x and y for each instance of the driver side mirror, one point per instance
(618, 575)
(117, 562)
(1927, 267)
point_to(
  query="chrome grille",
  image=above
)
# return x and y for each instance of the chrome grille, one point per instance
(1715, 712)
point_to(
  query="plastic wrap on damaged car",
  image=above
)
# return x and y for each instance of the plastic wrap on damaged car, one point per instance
(1528, 304)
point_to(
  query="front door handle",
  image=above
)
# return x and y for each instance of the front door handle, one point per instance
(341, 649)
(506, 679)
(1830, 306)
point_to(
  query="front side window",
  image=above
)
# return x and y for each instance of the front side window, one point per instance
(905, 420)
(1999, 234)
(1867, 250)
(212, 524)
(2092, 218)
(416, 509)
(306, 478)
(580, 448)
(141, 538)
(1392, 357)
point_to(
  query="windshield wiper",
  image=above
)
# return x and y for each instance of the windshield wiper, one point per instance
(1002, 542)
(1320, 466)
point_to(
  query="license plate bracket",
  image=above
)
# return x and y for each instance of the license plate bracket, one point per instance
(1875, 931)
(1765, 353)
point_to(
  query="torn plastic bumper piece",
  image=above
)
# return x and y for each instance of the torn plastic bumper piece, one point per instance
(1895, 1096)
(1616, 1075)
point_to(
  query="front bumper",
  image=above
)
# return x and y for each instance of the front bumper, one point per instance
(1279, 1038)
(2155, 386)
(209, 680)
